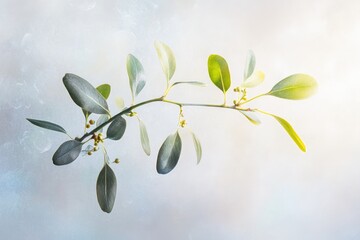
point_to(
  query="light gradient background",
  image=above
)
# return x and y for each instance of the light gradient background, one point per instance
(253, 182)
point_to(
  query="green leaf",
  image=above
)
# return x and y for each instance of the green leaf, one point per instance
(254, 80)
(67, 152)
(251, 116)
(47, 125)
(169, 154)
(197, 146)
(295, 87)
(106, 188)
(145, 143)
(219, 72)
(85, 95)
(249, 64)
(116, 128)
(136, 75)
(167, 59)
(104, 90)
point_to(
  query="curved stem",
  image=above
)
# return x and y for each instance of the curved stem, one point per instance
(160, 99)
(264, 94)
(127, 110)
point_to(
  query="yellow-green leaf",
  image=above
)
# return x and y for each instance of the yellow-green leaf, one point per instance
(295, 87)
(167, 59)
(104, 90)
(219, 72)
(290, 130)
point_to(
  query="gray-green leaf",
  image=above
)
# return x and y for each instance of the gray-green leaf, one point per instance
(197, 146)
(136, 75)
(295, 87)
(85, 95)
(219, 72)
(249, 64)
(103, 118)
(67, 152)
(169, 154)
(167, 59)
(196, 83)
(104, 90)
(47, 125)
(251, 116)
(106, 188)
(145, 143)
(116, 129)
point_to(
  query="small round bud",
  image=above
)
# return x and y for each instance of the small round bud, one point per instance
(116, 160)
(95, 143)
(95, 149)
(92, 122)
(182, 123)
(89, 153)
(87, 125)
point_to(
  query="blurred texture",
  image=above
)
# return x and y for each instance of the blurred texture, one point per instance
(253, 182)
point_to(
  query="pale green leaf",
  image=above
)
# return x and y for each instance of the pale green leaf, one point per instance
(197, 146)
(135, 72)
(47, 125)
(67, 152)
(145, 143)
(219, 72)
(249, 64)
(106, 188)
(169, 154)
(116, 128)
(295, 87)
(85, 95)
(167, 59)
(120, 103)
(254, 80)
(251, 116)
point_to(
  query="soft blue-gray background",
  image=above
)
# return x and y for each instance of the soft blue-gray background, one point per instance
(253, 183)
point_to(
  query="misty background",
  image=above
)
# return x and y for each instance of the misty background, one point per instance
(252, 183)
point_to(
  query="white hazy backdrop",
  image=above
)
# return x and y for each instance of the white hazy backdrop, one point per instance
(253, 182)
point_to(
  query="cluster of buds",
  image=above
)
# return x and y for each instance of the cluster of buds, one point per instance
(98, 138)
(242, 97)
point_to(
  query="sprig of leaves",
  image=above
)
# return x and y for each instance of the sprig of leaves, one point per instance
(93, 101)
